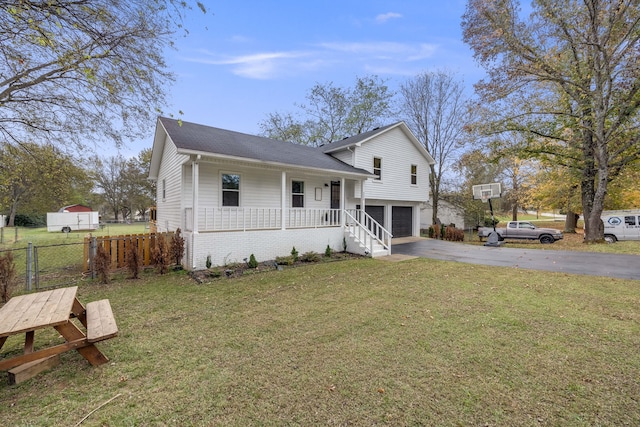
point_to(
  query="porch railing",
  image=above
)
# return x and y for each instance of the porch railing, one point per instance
(367, 230)
(243, 219)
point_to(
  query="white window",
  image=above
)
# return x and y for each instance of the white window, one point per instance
(297, 194)
(230, 189)
(164, 189)
(377, 167)
(414, 174)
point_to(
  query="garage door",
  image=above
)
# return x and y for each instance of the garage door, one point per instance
(402, 221)
(377, 213)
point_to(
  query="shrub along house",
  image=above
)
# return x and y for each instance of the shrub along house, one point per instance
(234, 194)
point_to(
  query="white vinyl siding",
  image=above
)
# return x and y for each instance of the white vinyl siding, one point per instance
(168, 197)
(398, 154)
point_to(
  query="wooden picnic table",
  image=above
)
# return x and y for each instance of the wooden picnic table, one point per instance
(55, 308)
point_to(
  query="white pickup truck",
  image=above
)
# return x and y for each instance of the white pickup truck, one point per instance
(523, 230)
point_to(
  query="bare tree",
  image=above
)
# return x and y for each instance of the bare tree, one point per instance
(435, 108)
(71, 70)
(109, 176)
(567, 76)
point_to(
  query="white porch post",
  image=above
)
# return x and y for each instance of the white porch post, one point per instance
(283, 201)
(362, 195)
(342, 204)
(195, 177)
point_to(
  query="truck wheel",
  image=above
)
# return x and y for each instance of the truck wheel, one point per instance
(66, 229)
(546, 239)
(610, 238)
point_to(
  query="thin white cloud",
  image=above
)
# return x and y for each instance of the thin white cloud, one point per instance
(260, 66)
(384, 17)
(324, 56)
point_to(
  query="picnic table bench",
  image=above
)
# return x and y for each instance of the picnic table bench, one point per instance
(55, 308)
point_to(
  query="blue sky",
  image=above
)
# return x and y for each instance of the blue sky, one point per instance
(248, 58)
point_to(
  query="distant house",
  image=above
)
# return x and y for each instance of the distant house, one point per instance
(447, 214)
(75, 208)
(234, 194)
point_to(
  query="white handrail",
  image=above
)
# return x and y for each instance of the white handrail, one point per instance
(366, 230)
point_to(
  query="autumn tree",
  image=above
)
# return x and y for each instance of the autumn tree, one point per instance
(39, 179)
(332, 113)
(624, 193)
(567, 76)
(71, 70)
(556, 188)
(435, 108)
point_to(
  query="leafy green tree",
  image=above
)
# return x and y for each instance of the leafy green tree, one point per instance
(566, 75)
(333, 113)
(71, 70)
(39, 179)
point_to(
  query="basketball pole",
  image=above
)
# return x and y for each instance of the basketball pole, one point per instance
(493, 220)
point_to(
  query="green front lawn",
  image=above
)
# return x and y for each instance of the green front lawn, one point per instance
(359, 342)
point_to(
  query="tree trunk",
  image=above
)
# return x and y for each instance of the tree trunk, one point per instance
(571, 221)
(514, 212)
(12, 216)
(435, 194)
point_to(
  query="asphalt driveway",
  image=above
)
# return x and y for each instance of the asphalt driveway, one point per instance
(590, 263)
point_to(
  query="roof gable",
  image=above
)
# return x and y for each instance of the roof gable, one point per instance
(362, 138)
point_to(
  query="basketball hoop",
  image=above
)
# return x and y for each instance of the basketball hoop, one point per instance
(486, 192)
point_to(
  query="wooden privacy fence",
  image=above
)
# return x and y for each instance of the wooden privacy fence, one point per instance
(117, 247)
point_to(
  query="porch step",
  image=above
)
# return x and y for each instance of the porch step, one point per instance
(377, 251)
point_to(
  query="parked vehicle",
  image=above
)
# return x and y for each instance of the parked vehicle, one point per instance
(72, 221)
(621, 225)
(523, 230)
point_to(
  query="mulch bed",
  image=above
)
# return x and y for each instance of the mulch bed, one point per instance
(242, 269)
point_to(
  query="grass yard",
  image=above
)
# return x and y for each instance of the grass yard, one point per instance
(360, 342)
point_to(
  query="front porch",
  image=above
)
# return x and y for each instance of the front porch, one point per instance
(231, 234)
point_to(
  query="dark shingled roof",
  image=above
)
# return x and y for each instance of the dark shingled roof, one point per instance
(354, 139)
(200, 139)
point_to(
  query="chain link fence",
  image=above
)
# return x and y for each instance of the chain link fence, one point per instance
(47, 266)
(41, 266)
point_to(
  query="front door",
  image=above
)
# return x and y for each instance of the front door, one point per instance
(335, 200)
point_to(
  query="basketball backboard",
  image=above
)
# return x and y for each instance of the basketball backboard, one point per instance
(485, 192)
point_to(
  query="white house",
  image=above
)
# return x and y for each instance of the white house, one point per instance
(447, 214)
(234, 194)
